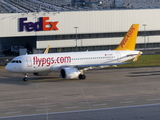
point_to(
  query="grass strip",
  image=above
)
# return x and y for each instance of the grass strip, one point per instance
(144, 61)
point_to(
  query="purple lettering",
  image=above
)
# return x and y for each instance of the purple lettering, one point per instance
(22, 24)
(41, 25)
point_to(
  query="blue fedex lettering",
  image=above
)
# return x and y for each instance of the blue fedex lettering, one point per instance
(41, 25)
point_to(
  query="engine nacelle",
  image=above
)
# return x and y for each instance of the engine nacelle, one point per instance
(69, 73)
(41, 74)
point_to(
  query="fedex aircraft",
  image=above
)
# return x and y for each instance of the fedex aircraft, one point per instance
(71, 65)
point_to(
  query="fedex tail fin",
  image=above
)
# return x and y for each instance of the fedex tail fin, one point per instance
(129, 40)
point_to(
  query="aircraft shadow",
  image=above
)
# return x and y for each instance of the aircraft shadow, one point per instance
(17, 79)
(141, 74)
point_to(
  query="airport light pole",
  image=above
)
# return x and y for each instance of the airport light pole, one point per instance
(76, 38)
(0, 48)
(144, 25)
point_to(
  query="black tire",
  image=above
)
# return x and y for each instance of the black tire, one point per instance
(25, 79)
(82, 77)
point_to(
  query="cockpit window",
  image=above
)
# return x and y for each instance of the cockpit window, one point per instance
(16, 61)
(13, 61)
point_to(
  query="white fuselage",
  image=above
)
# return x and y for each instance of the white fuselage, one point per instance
(54, 61)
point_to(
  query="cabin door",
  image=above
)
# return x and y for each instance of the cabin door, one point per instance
(29, 62)
(118, 56)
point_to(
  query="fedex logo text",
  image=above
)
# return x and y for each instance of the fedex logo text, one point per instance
(41, 25)
(123, 43)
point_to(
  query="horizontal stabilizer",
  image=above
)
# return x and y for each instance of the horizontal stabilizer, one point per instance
(136, 58)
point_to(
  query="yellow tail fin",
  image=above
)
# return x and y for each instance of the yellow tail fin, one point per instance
(129, 40)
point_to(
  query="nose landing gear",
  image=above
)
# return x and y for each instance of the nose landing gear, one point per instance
(25, 77)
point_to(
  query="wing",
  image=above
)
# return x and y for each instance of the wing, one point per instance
(98, 65)
(90, 66)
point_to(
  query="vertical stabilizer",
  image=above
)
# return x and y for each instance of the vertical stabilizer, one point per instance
(129, 40)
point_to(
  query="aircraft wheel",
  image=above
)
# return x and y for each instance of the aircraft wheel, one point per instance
(82, 77)
(25, 79)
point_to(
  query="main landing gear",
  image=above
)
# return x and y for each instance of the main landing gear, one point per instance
(25, 77)
(82, 76)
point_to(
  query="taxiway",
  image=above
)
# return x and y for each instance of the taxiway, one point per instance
(103, 89)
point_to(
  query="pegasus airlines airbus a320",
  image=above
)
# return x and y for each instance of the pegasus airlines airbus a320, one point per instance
(71, 65)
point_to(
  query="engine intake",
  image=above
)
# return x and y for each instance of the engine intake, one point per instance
(69, 73)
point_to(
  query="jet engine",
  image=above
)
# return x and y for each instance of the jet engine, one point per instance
(41, 73)
(71, 73)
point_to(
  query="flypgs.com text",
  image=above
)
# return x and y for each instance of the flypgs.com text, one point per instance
(41, 25)
(50, 60)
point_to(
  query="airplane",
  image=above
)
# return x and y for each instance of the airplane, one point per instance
(71, 65)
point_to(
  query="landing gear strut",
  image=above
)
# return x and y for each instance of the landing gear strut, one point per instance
(25, 77)
(81, 76)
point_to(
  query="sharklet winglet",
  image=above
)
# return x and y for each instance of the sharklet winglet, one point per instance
(47, 49)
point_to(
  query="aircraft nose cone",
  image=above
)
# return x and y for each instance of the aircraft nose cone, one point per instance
(8, 68)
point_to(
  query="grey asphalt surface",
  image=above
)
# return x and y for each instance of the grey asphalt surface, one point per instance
(146, 112)
(103, 95)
